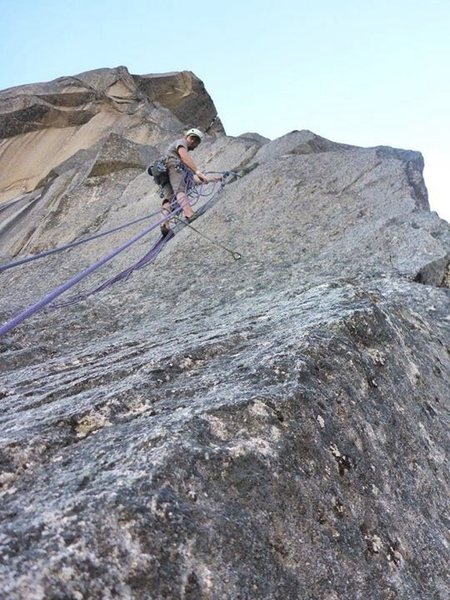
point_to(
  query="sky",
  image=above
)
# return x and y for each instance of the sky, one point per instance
(352, 71)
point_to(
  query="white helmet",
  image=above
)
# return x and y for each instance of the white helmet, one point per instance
(195, 132)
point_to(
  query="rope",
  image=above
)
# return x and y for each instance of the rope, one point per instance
(234, 254)
(6, 205)
(191, 189)
(26, 259)
(212, 123)
(215, 195)
(154, 251)
(149, 257)
(34, 308)
(122, 276)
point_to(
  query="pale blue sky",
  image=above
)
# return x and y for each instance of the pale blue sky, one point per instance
(363, 73)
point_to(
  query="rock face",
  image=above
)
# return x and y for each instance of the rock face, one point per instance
(268, 428)
(43, 124)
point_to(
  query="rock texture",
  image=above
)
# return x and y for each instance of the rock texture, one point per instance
(269, 428)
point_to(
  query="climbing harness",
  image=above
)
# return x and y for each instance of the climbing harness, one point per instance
(160, 173)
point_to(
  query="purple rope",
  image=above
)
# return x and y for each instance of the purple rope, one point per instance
(27, 259)
(34, 308)
(146, 259)
(123, 275)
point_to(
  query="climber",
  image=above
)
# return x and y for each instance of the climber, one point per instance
(179, 164)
